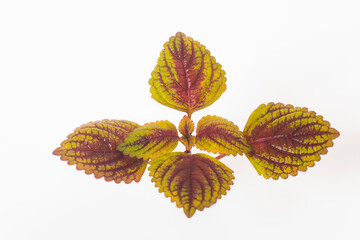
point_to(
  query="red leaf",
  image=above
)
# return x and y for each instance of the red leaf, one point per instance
(186, 127)
(186, 77)
(92, 147)
(286, 139)
(193, 181)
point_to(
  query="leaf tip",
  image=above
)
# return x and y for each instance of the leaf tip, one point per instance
(57, 151)
(335, 133)
(189, 212)
(180, 34)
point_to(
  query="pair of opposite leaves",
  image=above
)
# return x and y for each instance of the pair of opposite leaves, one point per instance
(278, 139)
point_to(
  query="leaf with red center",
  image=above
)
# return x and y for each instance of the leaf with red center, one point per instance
(193, 181)
(218, 135)
(92, 147)
(186, 127)
(151, 140)
(286, 139)
(186, 77)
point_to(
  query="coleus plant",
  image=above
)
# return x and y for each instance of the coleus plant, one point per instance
(279, 140)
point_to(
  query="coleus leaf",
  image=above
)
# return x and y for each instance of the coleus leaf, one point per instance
(186, 127)
(92, 147)
(193, 181)
(186, 77)
(286, 139)
(151, 140)
(218, 135)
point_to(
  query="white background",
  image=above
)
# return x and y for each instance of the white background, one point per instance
(65, 63)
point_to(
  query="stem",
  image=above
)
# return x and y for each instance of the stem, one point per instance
(220, 156)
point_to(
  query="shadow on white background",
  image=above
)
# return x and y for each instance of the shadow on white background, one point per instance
(65, 63)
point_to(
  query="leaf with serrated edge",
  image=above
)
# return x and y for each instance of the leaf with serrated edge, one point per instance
(286, 139)
(186, 126)
(218, 135)
(92, 147)
(193, 181)
(151, 140)
(186, 77)
(188, 142)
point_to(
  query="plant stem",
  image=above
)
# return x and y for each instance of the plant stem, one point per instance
(220, 156)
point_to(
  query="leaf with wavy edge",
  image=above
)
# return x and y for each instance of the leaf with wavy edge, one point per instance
(193, 181)
(151, 140)
(92, 147)
(186, 127)
(218, 135)
(286, 139)
(186, 77)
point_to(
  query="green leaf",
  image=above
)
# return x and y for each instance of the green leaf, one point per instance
(186, 126)
(151, 140)
(218, 135)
